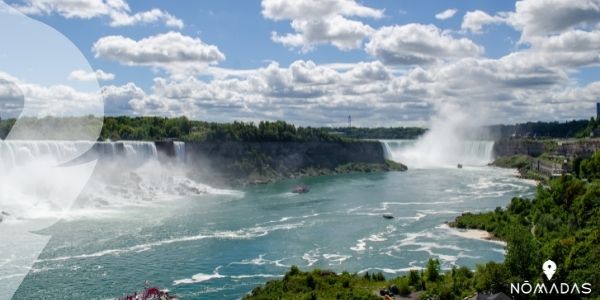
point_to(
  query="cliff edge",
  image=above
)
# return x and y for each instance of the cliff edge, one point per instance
(242, 163)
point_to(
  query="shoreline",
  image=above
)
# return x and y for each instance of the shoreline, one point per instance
(475, 234)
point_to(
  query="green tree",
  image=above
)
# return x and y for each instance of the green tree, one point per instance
(433, 270)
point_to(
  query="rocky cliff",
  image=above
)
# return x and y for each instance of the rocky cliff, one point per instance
(253, 162)
(509, 147)
(569, 148)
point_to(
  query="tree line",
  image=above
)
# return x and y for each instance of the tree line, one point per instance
(184, 129)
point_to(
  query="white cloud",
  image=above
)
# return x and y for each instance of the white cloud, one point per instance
(474, 21)
(447, 14)
(303, 92)
(320, 22)
(117, 11)
(172, 51)
(340, 32)
(416, 69)
(290, 9)
(52, 100)
(118, 100)
(82, 75)
(413, 44)
(547, 17)
(560, 33)
(510, 89)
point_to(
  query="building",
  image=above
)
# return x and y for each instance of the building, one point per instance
(597, 110)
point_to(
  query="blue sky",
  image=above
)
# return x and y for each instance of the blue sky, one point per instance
(388, 63)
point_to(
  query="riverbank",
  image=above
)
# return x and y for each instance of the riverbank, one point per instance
(521, 163)
(471, 233)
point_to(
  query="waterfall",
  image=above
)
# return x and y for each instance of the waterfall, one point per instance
(17, 152)
(419, 154)
(140, 152)
(179, 150)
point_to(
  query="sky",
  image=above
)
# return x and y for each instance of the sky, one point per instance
(385, 63)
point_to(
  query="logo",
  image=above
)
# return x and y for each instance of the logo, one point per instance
(39, 177)
(556, 288)
(549, 268)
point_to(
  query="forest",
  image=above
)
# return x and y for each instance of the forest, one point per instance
(181, 128)
(184, 129)
(561, 223)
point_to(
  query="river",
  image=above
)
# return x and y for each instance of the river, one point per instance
(222, 243)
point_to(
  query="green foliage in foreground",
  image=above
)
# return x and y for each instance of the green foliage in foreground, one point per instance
(561, 223)
(430, 282)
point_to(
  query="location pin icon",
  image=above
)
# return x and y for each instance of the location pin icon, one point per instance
(549, 268)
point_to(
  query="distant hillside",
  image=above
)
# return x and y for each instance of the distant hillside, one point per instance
(378, 133)
(568, 129)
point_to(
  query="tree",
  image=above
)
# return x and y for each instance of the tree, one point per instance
(491, 278)
(522, 256)
(433, 270)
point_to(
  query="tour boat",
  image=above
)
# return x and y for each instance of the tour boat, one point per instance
(151, 293)
(301, 189)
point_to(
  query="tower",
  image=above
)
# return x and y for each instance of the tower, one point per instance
(350, 117)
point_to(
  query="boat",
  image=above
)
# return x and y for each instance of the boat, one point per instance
(2, 215)
(301, 189)
(150, 293)
(459, 166)
(388, 216)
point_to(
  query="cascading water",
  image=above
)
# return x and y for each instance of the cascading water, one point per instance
(179, 150)
(421, 154)
(15, 153)
(127, 173)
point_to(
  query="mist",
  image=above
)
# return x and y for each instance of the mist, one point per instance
(453, 138)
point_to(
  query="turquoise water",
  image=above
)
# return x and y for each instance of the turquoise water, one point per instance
(217, 246)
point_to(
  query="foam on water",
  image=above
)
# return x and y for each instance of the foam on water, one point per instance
(242, 234)
(260, 261)
(201, 277)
